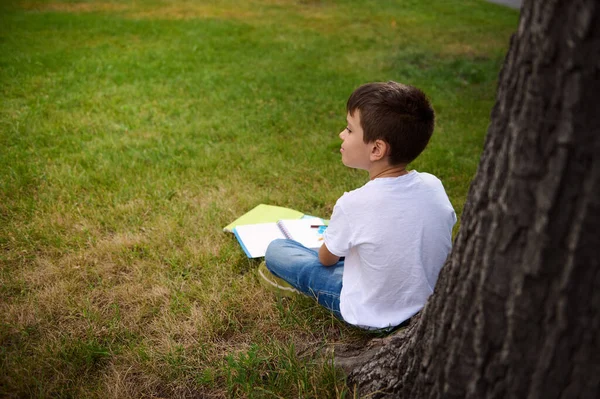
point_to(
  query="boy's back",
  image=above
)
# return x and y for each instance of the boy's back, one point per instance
(395, 234)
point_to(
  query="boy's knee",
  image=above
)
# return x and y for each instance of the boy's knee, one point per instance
(279, 242)
(275, 246)
(275, 251)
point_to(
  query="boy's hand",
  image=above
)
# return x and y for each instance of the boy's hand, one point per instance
(327, 258)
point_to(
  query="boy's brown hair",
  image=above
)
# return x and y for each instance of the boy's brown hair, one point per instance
(401, 115)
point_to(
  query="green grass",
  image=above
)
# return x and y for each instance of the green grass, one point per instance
(132, 132)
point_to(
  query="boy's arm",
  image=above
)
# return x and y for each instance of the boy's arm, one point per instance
(327, 258)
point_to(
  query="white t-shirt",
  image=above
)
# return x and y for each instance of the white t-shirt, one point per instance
(396, 234)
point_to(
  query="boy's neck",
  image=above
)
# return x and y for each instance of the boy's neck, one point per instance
(384, 169)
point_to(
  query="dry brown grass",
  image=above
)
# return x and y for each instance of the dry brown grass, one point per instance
(186, 9)
(118, 290)
(83, 7)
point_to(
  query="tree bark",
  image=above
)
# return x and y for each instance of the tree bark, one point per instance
(515, 312)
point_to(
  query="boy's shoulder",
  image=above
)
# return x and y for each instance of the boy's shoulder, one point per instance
(369, 191)
(412, 182)
(359, 192)
(428, 179)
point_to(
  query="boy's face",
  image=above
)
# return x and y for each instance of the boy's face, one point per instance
(355, 152)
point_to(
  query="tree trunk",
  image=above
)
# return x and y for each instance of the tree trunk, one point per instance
(515, 312)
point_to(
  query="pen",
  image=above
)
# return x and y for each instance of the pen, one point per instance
(316, 226)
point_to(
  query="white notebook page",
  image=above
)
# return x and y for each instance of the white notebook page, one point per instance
(256, 237)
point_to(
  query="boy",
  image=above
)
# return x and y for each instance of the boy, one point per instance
(386, 241)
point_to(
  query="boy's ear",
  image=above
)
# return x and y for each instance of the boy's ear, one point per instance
(379, 150)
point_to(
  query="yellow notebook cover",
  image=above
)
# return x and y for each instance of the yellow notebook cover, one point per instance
(264, 214)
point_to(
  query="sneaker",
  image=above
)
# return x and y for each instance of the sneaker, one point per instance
(274, 283)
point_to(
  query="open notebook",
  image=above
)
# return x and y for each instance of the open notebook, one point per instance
(255, 238)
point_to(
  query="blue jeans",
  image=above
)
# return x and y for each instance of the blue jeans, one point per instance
(300, 266)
